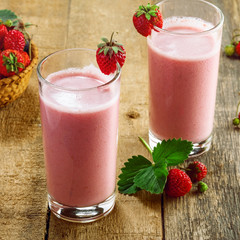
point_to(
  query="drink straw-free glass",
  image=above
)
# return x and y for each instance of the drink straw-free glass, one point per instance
(79, 115)
(183, 72)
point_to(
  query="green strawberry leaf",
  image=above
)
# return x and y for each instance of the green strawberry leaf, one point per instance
(106, 50)
(120, 50)
(6, 14)
(101, 50)
(153, 178)
(126, 183)
(148, 6)
(115, 49)
(172, 151)
(154, 8)
(148, 16)
(28, 25)
(104, 39)
(140, 13)
(20, 65)
(100, 45)
(152, 13)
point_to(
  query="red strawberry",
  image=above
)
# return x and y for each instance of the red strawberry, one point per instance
(196, 171)
(108, 54)
(3, 32)
(237, 49)
(142, 25)
(26, 58)
(178, 183)
(146, 18)
(14, 40)
(11, 62)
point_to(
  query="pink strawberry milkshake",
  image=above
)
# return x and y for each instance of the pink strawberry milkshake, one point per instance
(183, 72)
(80, 136)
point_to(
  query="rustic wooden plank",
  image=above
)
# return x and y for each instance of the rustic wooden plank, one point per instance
(23, 203)
(215, 214)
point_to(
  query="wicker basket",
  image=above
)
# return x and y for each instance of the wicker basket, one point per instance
(12, 87)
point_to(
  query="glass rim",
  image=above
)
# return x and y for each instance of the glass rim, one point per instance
(214, 28)
(42, 79)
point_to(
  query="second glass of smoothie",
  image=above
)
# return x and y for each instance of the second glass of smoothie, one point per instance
(183, 72)
(79, 114)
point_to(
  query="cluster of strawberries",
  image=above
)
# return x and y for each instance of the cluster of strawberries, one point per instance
(13, 50)
(233, 49)
(179, 182)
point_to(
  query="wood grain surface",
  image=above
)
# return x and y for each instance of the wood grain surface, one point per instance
(24, 212)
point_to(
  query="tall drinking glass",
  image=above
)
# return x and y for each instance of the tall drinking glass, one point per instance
(79, 115)
(183, 71)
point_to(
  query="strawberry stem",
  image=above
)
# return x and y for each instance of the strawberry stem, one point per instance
(145, 144)
(110, 43)
(235, 39)
(238, 108)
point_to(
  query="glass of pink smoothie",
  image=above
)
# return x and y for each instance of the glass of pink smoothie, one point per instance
(79, 114)
(183, 62)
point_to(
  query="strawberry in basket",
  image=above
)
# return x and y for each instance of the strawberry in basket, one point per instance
(14, 57)
(18, 56)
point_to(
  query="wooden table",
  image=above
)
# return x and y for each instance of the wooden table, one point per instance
(23, 198)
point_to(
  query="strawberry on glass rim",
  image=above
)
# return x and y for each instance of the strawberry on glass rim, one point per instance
(147, 18)
(108, 54)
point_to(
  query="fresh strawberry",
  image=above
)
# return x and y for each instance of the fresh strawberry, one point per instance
(196, 171)
(178, 183)
(11, 62)
(142, 25)
(147, 18)
(3, 32)
(237, 49)
(14, 40)
(26, 58)
(108, 54)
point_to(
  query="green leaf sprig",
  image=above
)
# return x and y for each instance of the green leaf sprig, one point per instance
(149, 11)
(7, 15)
(141, 174)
